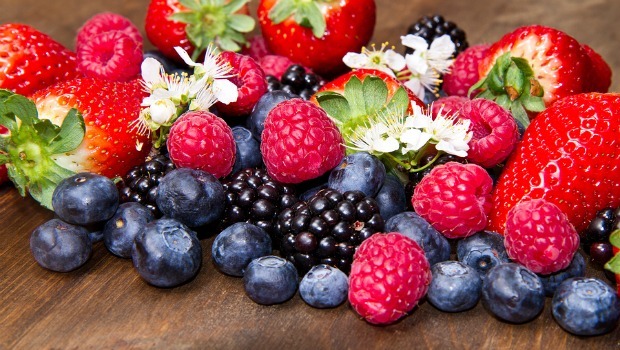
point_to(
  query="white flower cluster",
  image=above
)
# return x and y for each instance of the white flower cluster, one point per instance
(419, 70)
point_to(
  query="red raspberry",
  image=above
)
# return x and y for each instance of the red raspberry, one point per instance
(107, 22)
(598, 78)
(454, 198)
(257, 48)
(464, 71)
(539, 236)
(389, 275)
(495, 132)
(449, 106)
(300, 142)
(201, 140)
(250, 80)
(111, 55)
(276, 65)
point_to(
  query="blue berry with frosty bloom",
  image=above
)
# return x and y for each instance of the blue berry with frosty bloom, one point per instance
(482, 251)
(391, 198)
(60, 246)
(120, 231)
(237, 245)
(455, 287)
(577, 268)
(270, 280)
(248, 150)
(256, 121)
(324, 286)
(359, 171)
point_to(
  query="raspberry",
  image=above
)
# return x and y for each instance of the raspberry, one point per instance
(495, 132)
(277, 65)
(201, 140)
(257, 48)
(464, 71)
(110, 55)
(300, 142)
(598, 78)
(107, 22)
(539, 236)
(454, 198)
(250, 80)
(448, 106)
(389, 275)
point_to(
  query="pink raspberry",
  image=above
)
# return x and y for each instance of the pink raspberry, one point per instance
(495, 132)
(257, 48)
(448, 106)
(464, 71)
(107, 22)
(389, 275)
(539, 236)
(201, 140)
(277, 65)
(250, 80)
(454, 198)
(300, 142)
(111, 55)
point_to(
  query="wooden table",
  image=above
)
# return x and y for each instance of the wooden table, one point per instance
(105, 304)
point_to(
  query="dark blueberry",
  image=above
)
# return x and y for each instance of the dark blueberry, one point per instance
(167, 253)
(454, 287)
(577, 268)
(324, 287)
(358, 172)
(513, 293)
(120, 231)
(482, 251)
(436, 247)
(168, 65)
(60, 246)
(193, 197)
(95, 235)
(585, 306)
(248, 150)
(391, 198)
(599, 229)
(85, 198)
(256, 121)
(237, 245)
(270, 280)
(601, 253)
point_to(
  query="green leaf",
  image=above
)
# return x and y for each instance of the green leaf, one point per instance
(46, 131)
(495, 81)
(185, 17)
(515, 80)
(191, 4)
(532, 103)
(375, 94)
(8, 121)
(228, 44)
(235, 5)
(354, 93)
(71, 134)
(613, 265)
(476, 86)
(18, 178)
(241, 23)
(21, 107)
(400, 101)
(335, 105)
(503, 101)
(614, 238)
(281, 11)
(520, 115)
(315, 19)
(4, 158)
(523, 65)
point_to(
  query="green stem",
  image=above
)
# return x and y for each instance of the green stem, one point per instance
(427, 164)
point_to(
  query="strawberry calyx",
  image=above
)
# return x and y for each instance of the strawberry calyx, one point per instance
(613, 265)
(214, 21)
(512, 84)
(306, 13)
(29, 147)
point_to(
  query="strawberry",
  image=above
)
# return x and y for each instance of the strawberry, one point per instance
(570, 156)
(28, 57)
(614, 264)
(530, 68)
(317, 33)
(598, 77)
(193, 25)
(73, 126)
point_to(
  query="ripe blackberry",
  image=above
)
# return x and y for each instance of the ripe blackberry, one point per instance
(253, 196)
(596, 237)
(140, 183)
(327, 228)
(296, 80)
(431, 27)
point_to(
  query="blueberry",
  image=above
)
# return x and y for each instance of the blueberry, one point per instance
(120, 231)
(482, 251)
(60, 246)
(454, 287)
(513, 293)
(256, 121)
(168, 65)
(237, 245)
(166, 253)
(436, 246)
(391, 198)
(585, 306)
(248, 150)
(577, 268)
(193, 197)
(324, 286)
(270, 280)
(85, 199)
(358, 172)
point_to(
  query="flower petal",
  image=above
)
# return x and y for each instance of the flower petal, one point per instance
(185, 57)
(225, 91)
(386, 145)
(416, 63)
(355, 60)
(162, 111)
(415, 42)
(414, 85)
(394, 60)
(442, 47)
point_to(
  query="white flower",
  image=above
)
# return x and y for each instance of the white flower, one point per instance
(388, 61)
(162, 111)
(375, 139)
(152, 74)
(414, 140)
(447, 133)
(418, 83)
(436, 57)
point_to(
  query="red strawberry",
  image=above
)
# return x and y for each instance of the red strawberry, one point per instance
(28, 56)
(98, 138)
(570, 156)
(598, 73)
(317, 34)
(170, 23)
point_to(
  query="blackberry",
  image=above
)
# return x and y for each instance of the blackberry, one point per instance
(596, 237)
(327, 228)
(432, 27)
(140, 183)
(252, 196)
(296, 80)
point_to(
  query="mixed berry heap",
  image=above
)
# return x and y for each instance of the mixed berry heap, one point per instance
(596, 236)
(431, 27)
(296, 80)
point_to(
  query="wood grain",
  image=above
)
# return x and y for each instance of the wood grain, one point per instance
(106, 305)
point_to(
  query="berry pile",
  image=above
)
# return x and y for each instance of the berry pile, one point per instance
(140, 183)
(296, 80)
(596, 236)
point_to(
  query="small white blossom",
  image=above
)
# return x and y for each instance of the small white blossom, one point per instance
(388, 61)
(375, 139)
(437, 56)
(414, 140)
(162, 111)
(420, 82)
